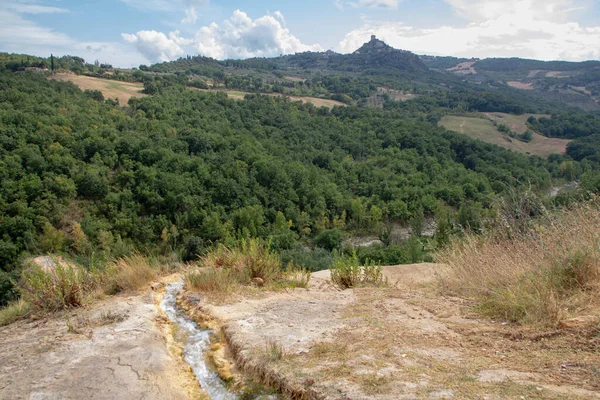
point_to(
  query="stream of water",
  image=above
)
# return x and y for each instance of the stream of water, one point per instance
(197, 343)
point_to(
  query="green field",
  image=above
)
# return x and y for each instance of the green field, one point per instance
(481, 127)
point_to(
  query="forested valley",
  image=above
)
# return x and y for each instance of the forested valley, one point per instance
(180, 171)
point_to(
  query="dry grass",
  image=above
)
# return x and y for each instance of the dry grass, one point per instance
(14, 311)
(316, 101)
(128, 274)
(538, 276)
(227, 269)
(274, 351)
(110, 88)
(64, 286)
(212, 280)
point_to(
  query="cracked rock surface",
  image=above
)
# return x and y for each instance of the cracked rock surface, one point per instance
(116, 350)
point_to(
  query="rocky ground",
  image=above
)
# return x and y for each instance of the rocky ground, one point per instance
(119, 348)
(405, 341)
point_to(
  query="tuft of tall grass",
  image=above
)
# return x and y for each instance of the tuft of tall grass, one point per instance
(218, 280)
(295, 277)
(227, 268)
(536, 275)
(274, 351)
(128, 274)
(346, 272)
(14, 311)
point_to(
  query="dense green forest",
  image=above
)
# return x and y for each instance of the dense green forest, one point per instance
(182, 170)
(186, 169)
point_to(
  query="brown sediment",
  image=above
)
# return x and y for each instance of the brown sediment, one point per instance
(231, 360)
(259, 371)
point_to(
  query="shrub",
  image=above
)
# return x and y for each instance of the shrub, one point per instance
(411, 251)
(329, 240)
(346, 272)
(194, 247)
(63, 287)
(540, 275)
(311, 259)
(8, 291)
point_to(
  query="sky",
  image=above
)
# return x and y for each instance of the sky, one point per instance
(127, 33)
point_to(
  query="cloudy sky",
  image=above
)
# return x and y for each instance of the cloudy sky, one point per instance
(131, 32)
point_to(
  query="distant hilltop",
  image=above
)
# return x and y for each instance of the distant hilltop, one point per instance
(374, 45)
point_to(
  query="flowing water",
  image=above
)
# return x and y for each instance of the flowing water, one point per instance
(197, 343)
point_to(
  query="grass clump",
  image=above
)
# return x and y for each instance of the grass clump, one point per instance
(346, 272)
(14, 311)
(275, 351)
(251, 262)
(218, 280)
(295, 277)
(63, 286)
(540, 275)
(128, 274)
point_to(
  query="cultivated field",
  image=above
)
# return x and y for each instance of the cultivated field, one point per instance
(464, 68)
(481, 127)
(126, 90)
(317, 102)
(520, 85)
(110, 89)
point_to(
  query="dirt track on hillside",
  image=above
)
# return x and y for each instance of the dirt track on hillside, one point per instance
(404, 342)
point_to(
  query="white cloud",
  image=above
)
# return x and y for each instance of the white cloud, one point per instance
(341, 4)
(483, 10)
(496, 28)
(154, 46)
(22, 8)
(189, 7)
(237, 37)
(20, 35)
(190, 16)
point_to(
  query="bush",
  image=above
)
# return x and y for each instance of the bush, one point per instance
(329, 240)
(63, 287)
(194, 247)
(313, 260)
(8, 291)
(411, 251)
(346, 272)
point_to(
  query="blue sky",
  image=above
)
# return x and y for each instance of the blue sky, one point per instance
(132, 32)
